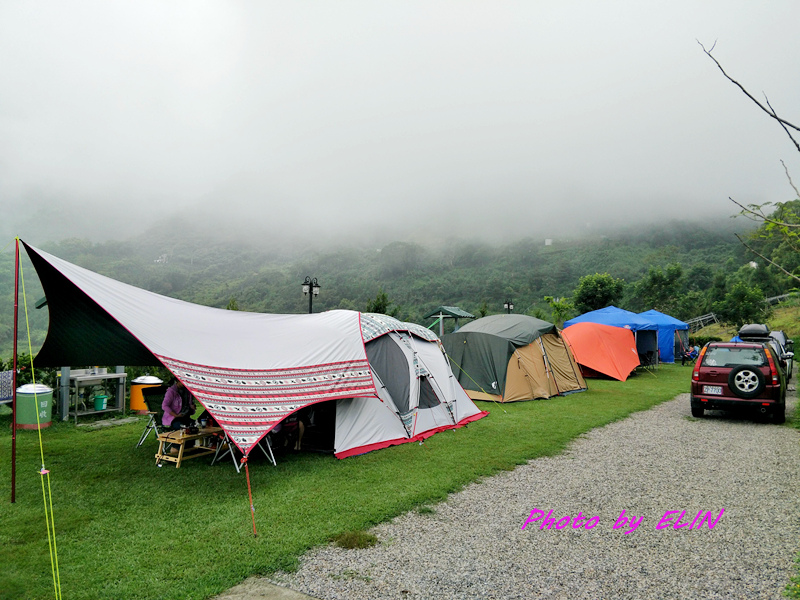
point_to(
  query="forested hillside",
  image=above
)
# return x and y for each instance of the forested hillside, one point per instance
(682, 268)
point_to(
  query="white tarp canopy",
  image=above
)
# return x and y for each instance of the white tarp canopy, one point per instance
(250, 370)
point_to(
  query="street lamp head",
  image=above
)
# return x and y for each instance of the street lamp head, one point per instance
(310, 289)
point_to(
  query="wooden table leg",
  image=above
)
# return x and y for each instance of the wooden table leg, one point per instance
(180, 454)
(160, 452)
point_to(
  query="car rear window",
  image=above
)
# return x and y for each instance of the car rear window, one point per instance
(730, 357)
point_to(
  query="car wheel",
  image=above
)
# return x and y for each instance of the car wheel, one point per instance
(746, 381)
(698, 412)
(779, 416)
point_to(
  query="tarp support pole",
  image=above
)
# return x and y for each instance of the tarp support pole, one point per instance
(14, 380)
(250, 495)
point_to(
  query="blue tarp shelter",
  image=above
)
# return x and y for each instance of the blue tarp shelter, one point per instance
(644, 330)
(670, 341)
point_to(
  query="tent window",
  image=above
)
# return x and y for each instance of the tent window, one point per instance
(391, 366)
(427, 397)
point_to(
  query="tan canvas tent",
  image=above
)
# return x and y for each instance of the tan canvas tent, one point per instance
(508, 358)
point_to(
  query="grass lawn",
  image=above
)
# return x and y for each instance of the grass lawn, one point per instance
(126, 529)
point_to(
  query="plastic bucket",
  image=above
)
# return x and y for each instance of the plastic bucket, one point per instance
(137, 398)
(34, 406)
(100, 402)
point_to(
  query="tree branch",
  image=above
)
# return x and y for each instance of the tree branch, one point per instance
(772, 262)
(781, 123)
(748, 94)
(758, 215)
(789, 177)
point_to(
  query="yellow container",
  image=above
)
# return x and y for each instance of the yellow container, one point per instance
(137, 398)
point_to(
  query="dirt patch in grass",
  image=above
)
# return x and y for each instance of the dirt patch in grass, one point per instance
(355, 539)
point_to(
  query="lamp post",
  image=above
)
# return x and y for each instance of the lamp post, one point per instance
(509, 306)
(310, 289)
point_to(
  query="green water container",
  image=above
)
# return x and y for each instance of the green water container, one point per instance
(34, 400)
(100, 402)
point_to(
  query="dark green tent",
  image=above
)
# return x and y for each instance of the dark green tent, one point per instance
(512, 357)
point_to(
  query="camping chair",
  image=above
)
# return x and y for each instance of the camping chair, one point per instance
(153, 397)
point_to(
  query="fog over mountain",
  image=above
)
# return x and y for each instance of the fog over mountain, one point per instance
(326, 122)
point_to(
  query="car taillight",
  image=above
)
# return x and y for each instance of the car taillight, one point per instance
(772, 369)
(696, 373)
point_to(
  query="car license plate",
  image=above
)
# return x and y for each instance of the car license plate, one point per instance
(715, 390)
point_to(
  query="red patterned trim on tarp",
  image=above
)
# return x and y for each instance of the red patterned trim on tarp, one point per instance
(247, 403)
(396, 442)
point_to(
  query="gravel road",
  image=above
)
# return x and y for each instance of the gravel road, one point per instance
(473, 544)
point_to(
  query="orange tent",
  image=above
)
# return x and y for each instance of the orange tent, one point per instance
(603, 349)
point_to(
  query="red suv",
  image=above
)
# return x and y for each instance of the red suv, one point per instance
(739, 375)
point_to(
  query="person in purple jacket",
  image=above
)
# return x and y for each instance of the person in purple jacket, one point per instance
(178, 406)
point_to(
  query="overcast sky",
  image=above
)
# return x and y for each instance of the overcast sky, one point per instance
(405, 119)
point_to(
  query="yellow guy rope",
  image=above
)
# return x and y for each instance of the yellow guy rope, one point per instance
(47, 495)
(475, 382)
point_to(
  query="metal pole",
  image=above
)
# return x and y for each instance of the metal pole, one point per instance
(310, 298)
(14, 380)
